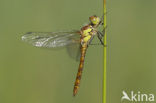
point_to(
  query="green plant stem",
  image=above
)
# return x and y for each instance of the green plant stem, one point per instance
(105, 54)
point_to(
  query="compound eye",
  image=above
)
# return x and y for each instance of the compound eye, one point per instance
(93, 19)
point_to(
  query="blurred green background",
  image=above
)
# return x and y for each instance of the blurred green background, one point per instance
(132, 50)
(34, 75)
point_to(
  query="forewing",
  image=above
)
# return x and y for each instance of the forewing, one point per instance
(51, 39)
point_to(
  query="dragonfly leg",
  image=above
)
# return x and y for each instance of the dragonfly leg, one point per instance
(103, 32)
(100, 33)
(100, 36)
(96, 44)
(91, 40)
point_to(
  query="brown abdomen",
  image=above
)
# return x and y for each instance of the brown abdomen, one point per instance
(79, 73)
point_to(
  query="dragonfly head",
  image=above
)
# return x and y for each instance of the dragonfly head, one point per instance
(95, 20)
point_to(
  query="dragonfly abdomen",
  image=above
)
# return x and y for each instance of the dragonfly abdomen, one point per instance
(79, 73)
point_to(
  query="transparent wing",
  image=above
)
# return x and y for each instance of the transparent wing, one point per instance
(51, 39)
(73, 51)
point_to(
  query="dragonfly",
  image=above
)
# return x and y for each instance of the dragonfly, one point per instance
(83, 37)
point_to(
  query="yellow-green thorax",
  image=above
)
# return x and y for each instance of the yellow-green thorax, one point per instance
(86, 33)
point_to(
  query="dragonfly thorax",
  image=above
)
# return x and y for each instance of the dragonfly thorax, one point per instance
(86, 33)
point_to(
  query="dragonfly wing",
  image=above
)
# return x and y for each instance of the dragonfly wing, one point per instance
(73, 51)
(51, 39)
